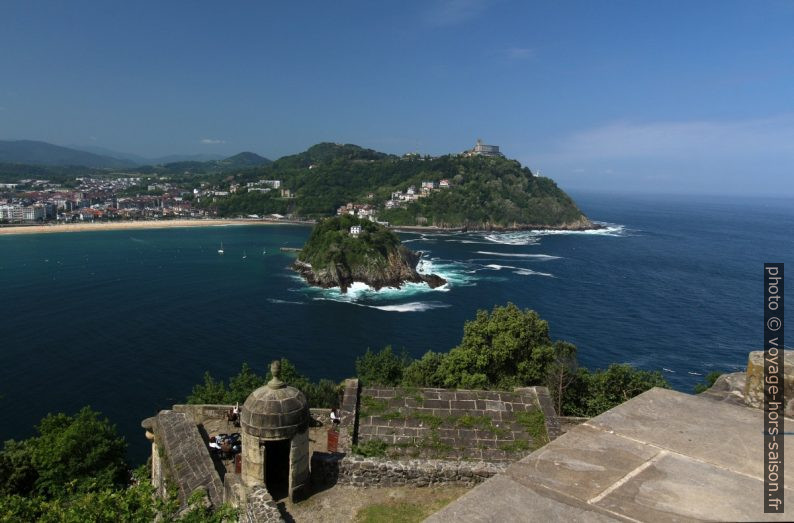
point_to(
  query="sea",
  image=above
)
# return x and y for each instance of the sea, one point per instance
(127, 321)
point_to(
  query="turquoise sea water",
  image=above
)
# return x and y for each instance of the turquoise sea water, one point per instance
(128, 321)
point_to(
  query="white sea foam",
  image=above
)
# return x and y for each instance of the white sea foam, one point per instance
(667, 370)
(607, 229)
(533, 237)
(513, 238)
(276, 300)
(522, 271)
(520, 255)
(414, 306)
(458, 240)
(530, 272)
(500, 267)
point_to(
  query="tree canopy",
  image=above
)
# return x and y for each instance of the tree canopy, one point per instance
(505, 348)
(321, 394)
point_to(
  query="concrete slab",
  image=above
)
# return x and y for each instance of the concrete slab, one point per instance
(725, 435)
(677, 488)
(582, 463)
(502, 499)
(662, 456)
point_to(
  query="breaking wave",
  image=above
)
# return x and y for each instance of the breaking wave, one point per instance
(277, 301)
(518, 255)
(523, 271)
(533, 237)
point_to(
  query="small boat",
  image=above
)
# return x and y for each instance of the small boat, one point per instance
(244, 255)
(220, 251)
(264, 251)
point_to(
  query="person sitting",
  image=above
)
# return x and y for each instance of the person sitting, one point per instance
(335, 419)
(214, 447)
(226, 449)
(233, 416)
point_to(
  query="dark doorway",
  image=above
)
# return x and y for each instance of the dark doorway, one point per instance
(277, 468)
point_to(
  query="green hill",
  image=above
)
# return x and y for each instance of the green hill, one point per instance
(32, 152)
(336, 256)
(244, 159)
(485, 192)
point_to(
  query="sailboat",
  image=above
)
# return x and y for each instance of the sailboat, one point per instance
(220, 251)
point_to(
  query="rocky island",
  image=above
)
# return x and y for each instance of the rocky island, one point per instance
(343, 250)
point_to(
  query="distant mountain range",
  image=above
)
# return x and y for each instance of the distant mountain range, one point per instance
(30, 152)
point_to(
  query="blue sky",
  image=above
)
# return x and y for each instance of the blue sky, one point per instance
(675, 96)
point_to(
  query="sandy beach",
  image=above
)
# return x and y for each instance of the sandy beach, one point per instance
(144, 224)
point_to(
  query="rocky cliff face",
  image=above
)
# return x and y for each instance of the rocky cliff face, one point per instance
(400, 268)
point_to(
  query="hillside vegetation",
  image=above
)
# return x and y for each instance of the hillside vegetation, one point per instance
(331, 243)
(485, 192)
(334, 257)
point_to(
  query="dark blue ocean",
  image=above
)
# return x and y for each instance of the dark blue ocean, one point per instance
(128, 321)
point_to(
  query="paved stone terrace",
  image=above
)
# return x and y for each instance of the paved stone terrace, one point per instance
(662, 456)
(440, 423)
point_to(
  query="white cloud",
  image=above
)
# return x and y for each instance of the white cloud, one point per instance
(211, 141)
(683, 139)
(520, 53)
(742, 156)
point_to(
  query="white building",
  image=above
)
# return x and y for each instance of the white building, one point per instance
(480, 149)
(355, 230)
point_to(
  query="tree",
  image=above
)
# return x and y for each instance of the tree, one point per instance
(561, 372)
(209, 392)
(322, 394)
(381, 368)
(708, 382)
(500, 349)
(594, 392)
(424, 372)
(78, 453)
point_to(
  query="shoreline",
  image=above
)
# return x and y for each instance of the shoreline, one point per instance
(432, 228)
(142, 224)
(17, 229)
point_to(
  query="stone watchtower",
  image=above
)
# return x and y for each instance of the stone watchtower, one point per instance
(275, 446)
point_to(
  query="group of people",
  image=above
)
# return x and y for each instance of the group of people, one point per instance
(225, 445)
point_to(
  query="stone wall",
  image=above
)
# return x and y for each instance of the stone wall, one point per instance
(348, 412)
(328, 469)
(754, 383)
(199, 413)
(260, 508)
(183, 457)
(441, 423)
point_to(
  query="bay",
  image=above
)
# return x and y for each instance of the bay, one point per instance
(128, 321)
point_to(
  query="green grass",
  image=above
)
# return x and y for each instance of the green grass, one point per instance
(397, 513)
(518, 445)
(468, 421)
(402, 512)
(395, 415)
(374, 448)
(535, 424)
(433, 443)
(428, 419)
(373, 407)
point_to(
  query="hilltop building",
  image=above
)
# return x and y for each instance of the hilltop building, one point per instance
(480, 149)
